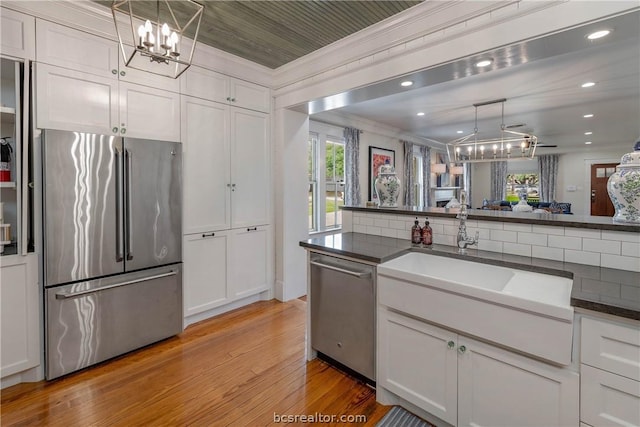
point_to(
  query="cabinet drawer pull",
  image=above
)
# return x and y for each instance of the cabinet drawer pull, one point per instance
(208, 235)
(252, 229)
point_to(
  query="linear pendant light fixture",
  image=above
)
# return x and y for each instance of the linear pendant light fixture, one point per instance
(157, 43)
(511, 145)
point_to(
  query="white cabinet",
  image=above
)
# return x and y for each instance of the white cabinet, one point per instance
(17, 34)
(78, 101)
(205, 271)
(249, 256)
(610, 371)
(466, 382)
(224, 266)
(226, 166)
(206, 84)
(19, 314)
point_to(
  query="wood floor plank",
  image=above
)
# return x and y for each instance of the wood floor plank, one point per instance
(237, 369)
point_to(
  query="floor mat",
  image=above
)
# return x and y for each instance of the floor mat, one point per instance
(399, 417)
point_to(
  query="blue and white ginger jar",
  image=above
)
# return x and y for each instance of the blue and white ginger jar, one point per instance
(624, 188)
(387, 186)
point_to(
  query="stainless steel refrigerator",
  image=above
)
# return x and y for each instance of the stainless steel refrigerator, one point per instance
(112, 230)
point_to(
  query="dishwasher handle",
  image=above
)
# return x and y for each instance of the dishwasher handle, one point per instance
(358, 274)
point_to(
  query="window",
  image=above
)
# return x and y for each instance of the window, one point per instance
(326, 181)
(523, 184)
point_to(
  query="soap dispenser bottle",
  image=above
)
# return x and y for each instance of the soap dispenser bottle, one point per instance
(427, 234)
(416, 233)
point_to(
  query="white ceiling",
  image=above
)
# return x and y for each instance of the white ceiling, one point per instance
(541, 80)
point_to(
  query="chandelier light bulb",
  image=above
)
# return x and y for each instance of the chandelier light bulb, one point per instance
(141, 31)
(147, 26)
(165, 29)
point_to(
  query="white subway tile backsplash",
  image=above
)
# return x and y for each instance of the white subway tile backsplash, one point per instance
(388, 232)
(347, 221)
(504, 236)
(373, 230)
(580, 257)
(359, 228)
(440, 239)
(545, 252)
(631, 249)
(491, 225)
(601, 246)
(483, 233)
(366, 221)
(437, 228)
(564, 242)
(450, 230)
(403, 234)
(582, 232)
(621, 262)
(532, 238)
(516, 249)
(517, 227)
(548, 229)
(621, 236)
(383, 223)
(490, 245)
(397, 225)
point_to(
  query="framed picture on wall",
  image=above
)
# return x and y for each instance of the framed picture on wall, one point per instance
(378, 157)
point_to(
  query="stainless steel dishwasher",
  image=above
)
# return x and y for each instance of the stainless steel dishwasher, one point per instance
(343, 312)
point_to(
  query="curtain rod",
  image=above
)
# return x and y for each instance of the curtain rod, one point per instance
(332, 124)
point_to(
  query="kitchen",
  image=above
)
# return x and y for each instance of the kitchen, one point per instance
(282, 262)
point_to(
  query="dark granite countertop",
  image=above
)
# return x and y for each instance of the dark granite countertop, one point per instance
(559, 220)
(600, 289)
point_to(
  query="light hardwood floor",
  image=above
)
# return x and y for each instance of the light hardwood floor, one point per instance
(237, 369)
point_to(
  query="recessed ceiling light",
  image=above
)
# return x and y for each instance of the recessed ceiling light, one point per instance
(588, 142)
(588, 84)
(484, 63)
(588, 133)
(459, 131)
(420, 114)
(588, 116)
(598, 34)
(406, 83)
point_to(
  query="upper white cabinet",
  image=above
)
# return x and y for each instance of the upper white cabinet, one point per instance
(206, 84)
(19, 314)
(207, 175)
(149, 113)
(226, 164)
(17, 34)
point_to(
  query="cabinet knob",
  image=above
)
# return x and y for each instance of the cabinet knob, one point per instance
(115, 129)
(123, 131)
(339, 344)
(462, 349)
(228, 98)
(451, 344)
(123, 73)
(233, 100)
(114, 71)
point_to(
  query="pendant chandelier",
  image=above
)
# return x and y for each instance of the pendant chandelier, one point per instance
(511, 145)
(155, 45)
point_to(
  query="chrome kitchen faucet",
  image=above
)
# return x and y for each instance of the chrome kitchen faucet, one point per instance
(463, 239)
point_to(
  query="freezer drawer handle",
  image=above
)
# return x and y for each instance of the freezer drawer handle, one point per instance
(64, 295)
(342, 270)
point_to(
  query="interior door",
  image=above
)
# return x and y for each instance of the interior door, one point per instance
(153, 203)
(600, 203)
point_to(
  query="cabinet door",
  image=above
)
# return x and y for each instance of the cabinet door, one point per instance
(608, 399)
(205, 84)
(418, 362)
(146, 77)
(77, 50)
(75, 101)
(250, 162)
(611, 346)
(19, 314)
(149, 113)
(249, 261)
(207, 177)
(205, 271)
(17, 34)
(500, 388)
(250, 95)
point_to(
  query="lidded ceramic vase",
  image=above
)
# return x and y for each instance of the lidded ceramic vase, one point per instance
(387, 186)
(624, 188)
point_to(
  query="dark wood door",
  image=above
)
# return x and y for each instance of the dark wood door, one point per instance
(600, 203)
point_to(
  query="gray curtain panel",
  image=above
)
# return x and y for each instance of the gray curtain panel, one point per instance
(351, 166)
(467, 182)
(548, 168)
(426, 173)
(408, 198)
(498, 180)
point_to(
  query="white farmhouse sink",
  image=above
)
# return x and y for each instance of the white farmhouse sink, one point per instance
(529, 312)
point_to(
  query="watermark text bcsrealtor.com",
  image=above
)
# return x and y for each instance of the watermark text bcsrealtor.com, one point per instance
(319, 417)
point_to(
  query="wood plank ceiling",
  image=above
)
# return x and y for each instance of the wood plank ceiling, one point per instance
(273, 33)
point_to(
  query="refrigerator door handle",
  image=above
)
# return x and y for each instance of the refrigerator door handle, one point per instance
(65, 295)
(127, 155)
(119, 204)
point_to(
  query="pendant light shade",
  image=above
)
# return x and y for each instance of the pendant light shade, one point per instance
(159, 37)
